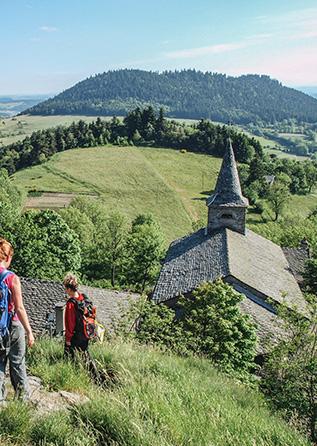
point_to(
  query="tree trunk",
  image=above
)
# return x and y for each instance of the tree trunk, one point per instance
(113, 275)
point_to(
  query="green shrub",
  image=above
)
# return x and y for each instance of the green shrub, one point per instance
(290, 370)
(209, 324)
(213, 325)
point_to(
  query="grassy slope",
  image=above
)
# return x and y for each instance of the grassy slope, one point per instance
(17, 128)
(159, 400)
(133, 180)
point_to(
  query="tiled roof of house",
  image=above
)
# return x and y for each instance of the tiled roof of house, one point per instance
(41, 296)
(251, 259)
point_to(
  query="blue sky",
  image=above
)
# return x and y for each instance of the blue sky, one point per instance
(48, 45)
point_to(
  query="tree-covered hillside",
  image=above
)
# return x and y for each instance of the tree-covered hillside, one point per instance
(184, 94)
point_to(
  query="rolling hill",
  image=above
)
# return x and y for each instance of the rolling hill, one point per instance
(169, 184)
(183, 94)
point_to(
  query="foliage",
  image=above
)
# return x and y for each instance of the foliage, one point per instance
(139, 127)
(214, 326)
(80, 223)
(113, 252)
(45, 247)
(115, 243)
(277, 197)
(290, 372)
(10, 202)
(209, 324)
(185, 94)
(144, 250)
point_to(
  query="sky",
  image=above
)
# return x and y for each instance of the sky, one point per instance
(49, 45)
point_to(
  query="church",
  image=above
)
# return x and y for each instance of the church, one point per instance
(256, 267)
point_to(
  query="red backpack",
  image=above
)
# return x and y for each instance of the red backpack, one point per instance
(85, 318)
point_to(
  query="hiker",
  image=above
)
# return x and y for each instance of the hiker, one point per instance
(14, 324)
(79, 324)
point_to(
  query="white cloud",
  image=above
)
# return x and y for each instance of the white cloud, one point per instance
(219, 48)
(48, 29)
(204, 50)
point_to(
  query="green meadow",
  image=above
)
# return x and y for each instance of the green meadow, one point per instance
(169, 184)
(18, 127)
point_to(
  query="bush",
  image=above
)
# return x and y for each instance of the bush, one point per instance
(210, 324)
(213, 325)
(290, 372)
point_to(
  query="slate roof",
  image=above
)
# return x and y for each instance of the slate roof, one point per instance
(40, 297)
(251, 259)
(228, 190)
(297, 258)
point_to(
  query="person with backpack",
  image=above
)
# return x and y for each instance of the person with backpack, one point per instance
(80, 325)
(80, 317)
(14, 324)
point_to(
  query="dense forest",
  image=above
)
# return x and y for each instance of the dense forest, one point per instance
(184, 94)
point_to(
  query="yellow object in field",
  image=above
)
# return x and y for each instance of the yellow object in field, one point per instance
(101, 331)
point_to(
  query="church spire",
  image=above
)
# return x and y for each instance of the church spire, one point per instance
(227, 206)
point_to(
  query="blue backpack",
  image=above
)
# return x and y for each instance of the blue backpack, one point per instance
(5, 316)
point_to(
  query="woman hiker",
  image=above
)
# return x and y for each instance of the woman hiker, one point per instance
(75, 338)
(17, 325)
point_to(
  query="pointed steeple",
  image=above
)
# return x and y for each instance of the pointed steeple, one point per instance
(227, 206)
(228, 190)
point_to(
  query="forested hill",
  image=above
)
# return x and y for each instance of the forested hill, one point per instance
(183, 94)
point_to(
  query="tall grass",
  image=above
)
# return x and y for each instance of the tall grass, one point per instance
(158, 400)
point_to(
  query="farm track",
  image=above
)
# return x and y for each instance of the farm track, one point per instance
(66, 176)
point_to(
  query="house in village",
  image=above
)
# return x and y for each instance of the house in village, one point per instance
(44, 301)
(253, 265)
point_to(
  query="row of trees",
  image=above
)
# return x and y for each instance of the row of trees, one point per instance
(185, 94)
(139, 127)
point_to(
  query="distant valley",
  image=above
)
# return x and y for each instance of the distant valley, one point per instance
(12, 105)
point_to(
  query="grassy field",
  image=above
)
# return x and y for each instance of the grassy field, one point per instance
(165, 182)
(171, 185)
(158, 400)
(18, 127)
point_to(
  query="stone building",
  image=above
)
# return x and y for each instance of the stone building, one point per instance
(41, 297)
(226, 249)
